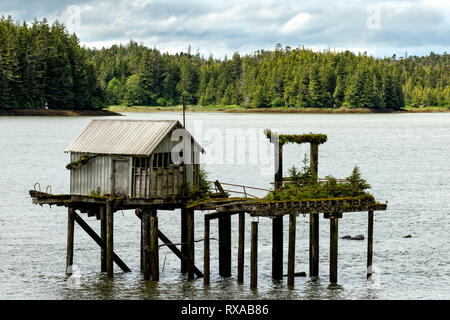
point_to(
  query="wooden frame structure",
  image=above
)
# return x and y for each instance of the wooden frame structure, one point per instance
(222, 207)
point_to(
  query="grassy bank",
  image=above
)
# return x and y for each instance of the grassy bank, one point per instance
(240, 109)
(59, 113)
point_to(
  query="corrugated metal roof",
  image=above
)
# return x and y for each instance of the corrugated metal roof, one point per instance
(123, 137)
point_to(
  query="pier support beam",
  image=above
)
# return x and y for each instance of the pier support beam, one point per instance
(206, 254)
(254, 256)
(314, 218)
(109, 238)
(277, 223)
(146, 243)
(138, 213)
(277, 248)
(70, 240)
(370, 244)
(225, 245)
(314, 245)
(184, 245)
(190, 243)
(240, 277)
(99, 241)
(102, 210)
(291, 250)
(154, 248)
(333, 249)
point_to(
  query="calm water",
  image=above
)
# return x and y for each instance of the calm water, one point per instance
(405, 157)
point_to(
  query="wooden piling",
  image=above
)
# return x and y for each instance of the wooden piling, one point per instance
(277, 223)
(102, 210)
(146, 242)
(370, 244)
(240, 277)
(99, 241)
(142, 262)
(314, 245)
(154, 248)
(184, 245)
(225, 245)
(70, 241)
(109, 238)
(206, 254)
(291, 250)
(277, 248)
(333, 249)
(254, 256)
(314, 218)
(190, 242)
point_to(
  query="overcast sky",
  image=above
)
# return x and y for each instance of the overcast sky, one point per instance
(221, 28)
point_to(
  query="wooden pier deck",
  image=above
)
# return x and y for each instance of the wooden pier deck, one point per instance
(222, 209)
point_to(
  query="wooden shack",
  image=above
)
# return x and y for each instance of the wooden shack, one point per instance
(133, 158)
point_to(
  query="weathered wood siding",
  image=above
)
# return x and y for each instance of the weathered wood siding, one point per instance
(192, 170)
(122, 176)
(97, 175)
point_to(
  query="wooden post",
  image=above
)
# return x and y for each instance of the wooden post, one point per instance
(225, 245)
(291, 250)
(370, 244)
(109, 238)
(102, 210)
(174, 248)
(254, 256)
(146, 242)
(70, 239)
(154, 248)
(314, 245)
(278, 164)
(240, 277)
(333, 249)
(277, 248)
(277, 223)
(184, 244)
(314, 158)
(139, 214)
(206, 253)
(99, 241)
(314, 218)
(190, 241)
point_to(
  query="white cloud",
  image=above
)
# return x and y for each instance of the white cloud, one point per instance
(296, 23)
(416, 26)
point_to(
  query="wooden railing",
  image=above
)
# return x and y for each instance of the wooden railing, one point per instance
(218, 187)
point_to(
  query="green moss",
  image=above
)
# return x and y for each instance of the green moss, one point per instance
(80, 162)
(303, 138)
(367, 197)
(314, 138)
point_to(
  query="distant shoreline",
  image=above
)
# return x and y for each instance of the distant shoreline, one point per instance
(118, 110)
(237, 109)
(56, 113)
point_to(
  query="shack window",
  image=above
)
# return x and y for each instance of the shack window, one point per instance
(141, 162)
(162, 160)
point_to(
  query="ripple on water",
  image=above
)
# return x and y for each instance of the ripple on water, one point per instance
(401, 156)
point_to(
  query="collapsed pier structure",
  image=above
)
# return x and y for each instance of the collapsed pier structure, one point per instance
(148, 166)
